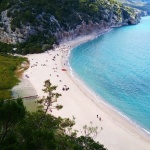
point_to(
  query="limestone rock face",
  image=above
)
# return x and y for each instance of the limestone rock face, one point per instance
(83, 29)
(47, 24)
(13, 37)
(133, 21)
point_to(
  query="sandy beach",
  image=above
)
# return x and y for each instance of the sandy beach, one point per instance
(78, 101)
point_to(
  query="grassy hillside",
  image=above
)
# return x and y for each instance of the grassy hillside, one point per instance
(8, 65)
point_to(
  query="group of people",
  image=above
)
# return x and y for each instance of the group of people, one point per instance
(99, 118)
(65, 88)
(34, 65)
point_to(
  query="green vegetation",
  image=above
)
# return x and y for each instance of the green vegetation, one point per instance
(143, 5)
(8, 65)
(46, 17)
(5, 4)
(5, 48)
(39, 13)
(22, 130)
(35, 44)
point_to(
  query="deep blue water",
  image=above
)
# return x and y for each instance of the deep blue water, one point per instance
(116, 66)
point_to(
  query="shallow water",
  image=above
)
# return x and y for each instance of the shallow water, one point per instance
(116, 66)
(24, 89)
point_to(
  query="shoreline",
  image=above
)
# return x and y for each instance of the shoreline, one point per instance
(117, 132)
(106, 104)
(98, 98)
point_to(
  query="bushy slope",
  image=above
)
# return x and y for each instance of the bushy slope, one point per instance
(8, 65)
(36, 23)
(68, 13)
(143, 5)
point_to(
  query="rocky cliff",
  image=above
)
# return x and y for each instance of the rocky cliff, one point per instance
(142, 5)
(58, 19)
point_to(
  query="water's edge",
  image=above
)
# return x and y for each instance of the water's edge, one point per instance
(25, 89)
(98, 98)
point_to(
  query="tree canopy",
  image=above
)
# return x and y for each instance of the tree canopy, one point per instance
(24, 130)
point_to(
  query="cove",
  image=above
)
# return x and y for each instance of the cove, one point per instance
(116, 66)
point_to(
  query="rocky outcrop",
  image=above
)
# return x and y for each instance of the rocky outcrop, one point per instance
(111, 16)
(85, 28)
(7, 35)
(82, 29)
(142, 5)
(132, 21)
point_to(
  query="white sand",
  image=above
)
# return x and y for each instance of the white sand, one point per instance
(117, 133)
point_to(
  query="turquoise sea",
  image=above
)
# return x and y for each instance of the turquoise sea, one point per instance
(116, 66)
